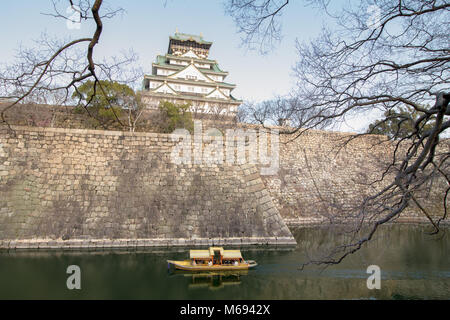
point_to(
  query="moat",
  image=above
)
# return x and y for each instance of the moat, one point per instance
(413, 265)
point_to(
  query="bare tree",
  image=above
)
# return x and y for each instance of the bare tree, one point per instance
(135, 108)
(381, 55)
(58, 67)
(279, 111)
(258, 21)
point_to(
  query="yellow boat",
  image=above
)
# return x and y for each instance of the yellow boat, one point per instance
(213, 259)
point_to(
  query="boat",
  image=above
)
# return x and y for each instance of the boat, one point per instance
(213, 259)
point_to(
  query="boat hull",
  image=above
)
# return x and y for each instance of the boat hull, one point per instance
(187, 266)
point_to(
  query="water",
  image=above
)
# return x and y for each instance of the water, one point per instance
(413, 265)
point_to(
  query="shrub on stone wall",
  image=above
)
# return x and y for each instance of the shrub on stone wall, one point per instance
(174, 116)
(104, 104)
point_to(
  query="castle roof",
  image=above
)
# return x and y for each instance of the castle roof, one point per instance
(183, 43)
(213, 84)
(162, 62)
(196, 97)
(189, 37)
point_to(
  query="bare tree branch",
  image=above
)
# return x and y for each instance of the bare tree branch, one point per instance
(385, 59)
(62, 66)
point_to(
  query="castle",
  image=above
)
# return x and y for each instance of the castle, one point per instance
(186, 75)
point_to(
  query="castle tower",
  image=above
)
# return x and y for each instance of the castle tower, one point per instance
(186, 74)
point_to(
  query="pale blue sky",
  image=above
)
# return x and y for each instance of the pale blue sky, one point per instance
(146, 26)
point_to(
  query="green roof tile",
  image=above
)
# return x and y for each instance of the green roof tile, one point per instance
(189, 37)
(162, 61)
(233, 98)
(215, 68)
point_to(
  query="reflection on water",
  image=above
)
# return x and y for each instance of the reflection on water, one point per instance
(413, 266)
(211, 280)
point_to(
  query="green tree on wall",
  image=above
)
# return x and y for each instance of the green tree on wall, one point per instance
(398, 124)
(106, 105)
(174, 116)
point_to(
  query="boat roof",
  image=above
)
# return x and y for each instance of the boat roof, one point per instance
(232, 254)
(199, 254)
(212, 249)
(208, 254)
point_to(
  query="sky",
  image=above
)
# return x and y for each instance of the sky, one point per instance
(145, 28)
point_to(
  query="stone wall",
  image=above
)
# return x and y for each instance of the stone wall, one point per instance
(83, 188)
(323, 174)
(73, 186)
